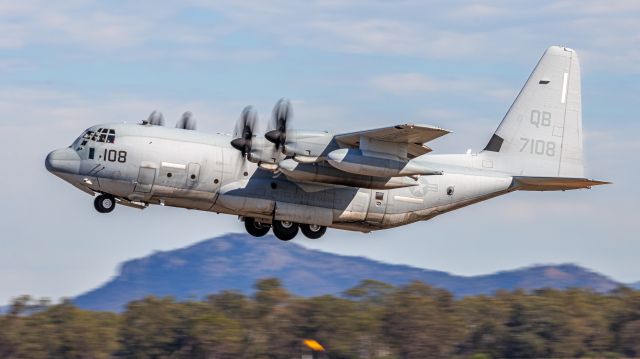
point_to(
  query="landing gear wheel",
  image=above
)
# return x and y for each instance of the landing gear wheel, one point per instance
(313, 231)
(285, 230)
(255, 228)
(104, 203)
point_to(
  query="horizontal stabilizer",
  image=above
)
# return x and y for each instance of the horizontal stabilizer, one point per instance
(553, 183)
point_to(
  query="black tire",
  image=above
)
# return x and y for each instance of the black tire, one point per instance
(105, 203)
(313, 231)
(255, 228)
(284, 230)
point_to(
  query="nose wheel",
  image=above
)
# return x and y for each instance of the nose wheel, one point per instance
(104, 203)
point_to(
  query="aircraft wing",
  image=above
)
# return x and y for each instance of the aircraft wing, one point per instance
(411, 136)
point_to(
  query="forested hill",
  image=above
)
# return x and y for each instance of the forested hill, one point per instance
(236, 261)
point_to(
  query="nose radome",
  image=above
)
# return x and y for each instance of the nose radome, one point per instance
(63, 160)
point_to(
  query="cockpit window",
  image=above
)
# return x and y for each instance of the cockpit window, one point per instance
(107, 135)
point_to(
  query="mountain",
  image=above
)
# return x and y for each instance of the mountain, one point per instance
(635, 285)
(236, 261)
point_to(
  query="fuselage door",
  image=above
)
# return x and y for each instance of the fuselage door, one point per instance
(377, 206)
(146, 176)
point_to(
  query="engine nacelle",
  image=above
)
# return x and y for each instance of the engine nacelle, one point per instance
(354, 161)
(307, 144)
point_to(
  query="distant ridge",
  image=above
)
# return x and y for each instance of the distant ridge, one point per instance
(236, 261)
(635, 285)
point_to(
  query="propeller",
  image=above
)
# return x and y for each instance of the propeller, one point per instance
(156, 118)
(281, 116)
(186, 122)
(243, 132)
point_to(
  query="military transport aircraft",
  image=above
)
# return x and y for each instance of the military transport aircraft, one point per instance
(290, 180)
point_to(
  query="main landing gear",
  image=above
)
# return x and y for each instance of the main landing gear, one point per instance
(283, 230)
(104, 203)
(313, 231)
(255, 228)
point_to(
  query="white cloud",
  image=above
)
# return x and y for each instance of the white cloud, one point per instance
(466, 30)
(416, 83)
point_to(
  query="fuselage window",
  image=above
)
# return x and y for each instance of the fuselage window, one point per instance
(92, 152)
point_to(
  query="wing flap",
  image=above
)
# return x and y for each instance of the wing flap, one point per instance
(414, 136)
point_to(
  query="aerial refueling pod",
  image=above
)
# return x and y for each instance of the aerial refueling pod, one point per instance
(354, 161)
(322, 173)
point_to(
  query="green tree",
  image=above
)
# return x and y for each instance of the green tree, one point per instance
(421, 322)
(152, 328)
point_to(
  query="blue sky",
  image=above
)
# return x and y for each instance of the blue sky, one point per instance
(346, 65)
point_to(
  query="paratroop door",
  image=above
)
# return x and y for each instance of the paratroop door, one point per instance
(377, 206)
(146, 176)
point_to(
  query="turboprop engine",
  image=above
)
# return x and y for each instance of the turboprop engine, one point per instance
(303, 146)
(355, 161)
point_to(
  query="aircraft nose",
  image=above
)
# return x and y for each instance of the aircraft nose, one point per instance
(63, 160)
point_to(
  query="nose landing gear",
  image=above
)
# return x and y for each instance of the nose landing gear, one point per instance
(104, 203)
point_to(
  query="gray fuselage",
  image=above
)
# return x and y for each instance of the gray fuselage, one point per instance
(147, 164)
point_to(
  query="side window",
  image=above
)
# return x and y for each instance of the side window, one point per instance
(111, 138)
(92, 153)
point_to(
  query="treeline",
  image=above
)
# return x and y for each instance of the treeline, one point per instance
(372, 320)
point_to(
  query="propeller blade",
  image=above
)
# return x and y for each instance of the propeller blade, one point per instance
(279, 124)
(187, 121)
(156, 118)
(243, 132)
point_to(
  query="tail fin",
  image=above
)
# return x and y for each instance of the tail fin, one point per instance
(541, 134)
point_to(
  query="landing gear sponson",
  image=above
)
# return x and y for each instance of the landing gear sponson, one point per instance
(283, 230)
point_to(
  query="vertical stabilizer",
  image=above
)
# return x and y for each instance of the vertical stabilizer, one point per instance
(541, 134)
